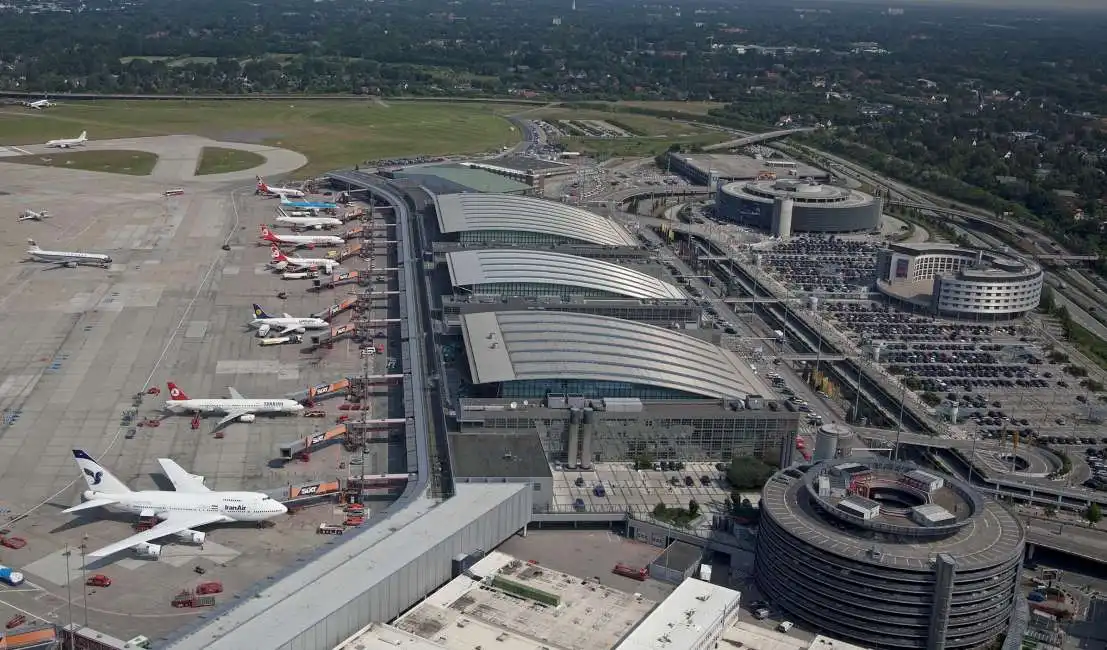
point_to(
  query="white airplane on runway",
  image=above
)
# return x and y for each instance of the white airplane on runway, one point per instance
(283, 192)
(190, 506)
(71, 142)
(40, 104)
(66, 258)
(236, 408)
(31, 215)
(278, 257)
(317, 223)
(310, 241)
(282, 325)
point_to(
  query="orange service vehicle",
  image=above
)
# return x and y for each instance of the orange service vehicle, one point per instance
(98, 580)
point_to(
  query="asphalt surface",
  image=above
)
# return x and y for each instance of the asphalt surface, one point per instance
(81, 342)
(178, 156)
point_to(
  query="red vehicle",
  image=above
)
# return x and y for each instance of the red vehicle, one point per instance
(218, 435)
(16, 621)
(630, 572)
(196, 423)
(800, 444)
(380, 348)
(342, 418)
(345, 406)
(355, 520)
(355, 509)
(13, 542)
(214, 587)
(153, 390)
(98, 580)
(152, 422)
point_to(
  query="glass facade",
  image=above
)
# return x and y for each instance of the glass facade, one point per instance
(513, 238)
(713, 435)
(541, 289)
(589, 388)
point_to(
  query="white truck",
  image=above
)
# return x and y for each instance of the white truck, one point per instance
(281, 340)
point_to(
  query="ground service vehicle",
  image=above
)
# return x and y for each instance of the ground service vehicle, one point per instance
(10, 576)
(214, 587)
(331, 529)
(98, 580)
(630, 572)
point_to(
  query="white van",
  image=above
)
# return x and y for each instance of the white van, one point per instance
(785, 626)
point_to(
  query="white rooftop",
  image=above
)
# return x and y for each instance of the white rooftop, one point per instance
(826, 643)
(684, 618)
(749, 636)
(470, 612)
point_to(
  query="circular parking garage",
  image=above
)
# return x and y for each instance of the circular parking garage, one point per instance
(921, 559)
(814, 207)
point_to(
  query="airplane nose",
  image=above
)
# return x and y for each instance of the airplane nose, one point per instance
(283, 508)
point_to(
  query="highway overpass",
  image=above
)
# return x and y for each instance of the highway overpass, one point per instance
(756, 138)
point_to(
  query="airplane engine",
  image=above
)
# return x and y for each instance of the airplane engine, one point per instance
(194, 536)
(318, 226)
(71, 265)
(262, 331)
(248, 418)
(148, 550)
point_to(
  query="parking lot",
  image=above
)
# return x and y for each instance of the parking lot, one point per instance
(824, 265)
(619, 487)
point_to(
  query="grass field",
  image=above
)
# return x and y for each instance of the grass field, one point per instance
(692, 108)
(653, 134)
(134, 163)
(330, 133)
(220, 160)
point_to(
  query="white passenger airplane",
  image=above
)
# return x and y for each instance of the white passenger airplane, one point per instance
(278, 257)
(286, 324)
(236, 408)
(283, 192)
(190, 506)
(66, 258)
(310, 241)
(40, 104)
(317, 223)
(71, 142)
(31, 215)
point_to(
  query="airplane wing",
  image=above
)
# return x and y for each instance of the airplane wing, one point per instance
(174, 523)
(182, 481)
(88, 505)
(288, 330)
(234, 393)
(233, 415)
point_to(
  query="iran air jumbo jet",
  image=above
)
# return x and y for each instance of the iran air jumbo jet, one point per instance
(281, 325)
(283, 192)
(311, 241)
(70, 142)
(188, 507)
(236, 408)
(66, 258)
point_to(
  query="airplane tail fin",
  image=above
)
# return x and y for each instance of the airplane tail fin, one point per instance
(98, 478)
(33, 245)
(175, 393)
(83, 136)
(277, 255)
(259, 312)
(267, 234)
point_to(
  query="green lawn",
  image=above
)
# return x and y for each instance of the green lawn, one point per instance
(134, 163)
(331, 134)
(692, 108)
(220, 160)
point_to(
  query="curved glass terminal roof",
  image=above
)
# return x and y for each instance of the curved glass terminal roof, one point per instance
(493, 266)
(480, 212)
(520, 345)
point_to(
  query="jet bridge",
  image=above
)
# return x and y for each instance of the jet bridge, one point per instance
(352, 434)
(336, 309)
(339, 333)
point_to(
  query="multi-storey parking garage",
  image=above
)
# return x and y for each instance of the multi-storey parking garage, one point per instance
(881, 553)
(814, 207)
(960, 282)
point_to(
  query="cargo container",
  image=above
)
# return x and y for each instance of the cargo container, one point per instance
(10, 576)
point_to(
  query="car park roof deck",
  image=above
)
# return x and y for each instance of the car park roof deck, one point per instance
(992, 537)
